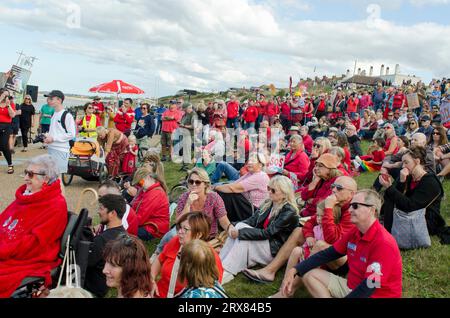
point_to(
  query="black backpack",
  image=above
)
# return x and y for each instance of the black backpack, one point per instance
(63, 124)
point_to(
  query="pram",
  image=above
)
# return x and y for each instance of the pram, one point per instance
(86, 160)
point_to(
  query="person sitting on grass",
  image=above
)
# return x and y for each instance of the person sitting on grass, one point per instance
(374, 260)
(198, 269)
(257, 239)
(190, 226)
(335, 224)
(127, 267)
(374, 160)
(245, 195)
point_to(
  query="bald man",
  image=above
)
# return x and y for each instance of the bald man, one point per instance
(343, 190)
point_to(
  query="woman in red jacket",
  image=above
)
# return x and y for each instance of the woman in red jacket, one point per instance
(31, 228)
(296, 162)
(151, 205)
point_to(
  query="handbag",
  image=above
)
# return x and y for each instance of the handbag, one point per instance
(410, 229)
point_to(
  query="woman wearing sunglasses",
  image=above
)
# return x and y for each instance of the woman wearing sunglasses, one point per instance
(31, 228)
(26, 120)
(199, 197)
(412, 128)
(258, 239)
(87, 126)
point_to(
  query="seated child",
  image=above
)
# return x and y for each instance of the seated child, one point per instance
(374, 160)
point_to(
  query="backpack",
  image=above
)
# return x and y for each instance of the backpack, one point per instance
(63, 124)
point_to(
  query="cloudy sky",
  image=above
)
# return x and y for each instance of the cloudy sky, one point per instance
(166, 45)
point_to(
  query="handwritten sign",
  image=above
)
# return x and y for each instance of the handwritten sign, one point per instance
(413, 101)
(445, 112)
(276, 163)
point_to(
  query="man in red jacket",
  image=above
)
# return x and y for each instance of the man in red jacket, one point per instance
(344, 188)
(233, 113)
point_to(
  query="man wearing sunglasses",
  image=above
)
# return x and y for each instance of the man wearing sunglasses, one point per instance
(374, 260)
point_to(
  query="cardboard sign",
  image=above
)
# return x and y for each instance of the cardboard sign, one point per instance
(276, 163)
(17, 79)
(413, 101)
(445, 112)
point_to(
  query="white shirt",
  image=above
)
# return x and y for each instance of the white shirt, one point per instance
(60, 136)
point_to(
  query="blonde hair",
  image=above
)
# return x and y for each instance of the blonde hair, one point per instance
(325, 142)
(151, 159)
(200, 107)
(100, 130)
(198, 265)
(285, 186)
(338, 151)
(372, 197)
(144, 172)
(336, 211)
(132, 138)
(203, 176)
(69, 292)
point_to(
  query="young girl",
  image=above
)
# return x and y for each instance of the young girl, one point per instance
(374, 160)
(129, 161)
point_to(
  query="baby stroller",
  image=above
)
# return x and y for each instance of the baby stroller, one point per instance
(86, 160)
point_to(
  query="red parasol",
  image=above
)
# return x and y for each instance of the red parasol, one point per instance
(116, 86)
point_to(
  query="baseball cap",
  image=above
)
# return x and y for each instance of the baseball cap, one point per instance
(55, 93)
(294, 128)
(425, 117)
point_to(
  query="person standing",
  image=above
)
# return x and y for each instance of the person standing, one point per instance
(170, 119)
(26, 120)
(45, 117)
(62, 130)
(7, 113)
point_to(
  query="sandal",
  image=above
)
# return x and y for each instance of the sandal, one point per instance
(10, 170)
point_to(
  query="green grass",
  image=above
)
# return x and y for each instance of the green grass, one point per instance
(425, 272)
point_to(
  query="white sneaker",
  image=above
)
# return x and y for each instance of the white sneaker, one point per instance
(227, 277)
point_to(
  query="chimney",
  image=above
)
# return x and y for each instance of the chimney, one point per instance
(397, 68)
(359, 71)
(363, 73)
(387, 70)
(371, 71)
(382, 70)
(348, 73)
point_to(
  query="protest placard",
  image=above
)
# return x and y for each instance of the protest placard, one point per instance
(276, 163)
(413, 101)
(445, 112)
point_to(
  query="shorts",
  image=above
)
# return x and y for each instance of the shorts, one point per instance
(61, 158)
(15, 129)
(338, 286)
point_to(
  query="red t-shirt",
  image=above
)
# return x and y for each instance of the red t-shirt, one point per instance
(167, 259)
(98, 107)
(374, 254)
(250, 114)
(263, 107)
(378, 155)
(233, 109)
(4, 115)
(398, 101)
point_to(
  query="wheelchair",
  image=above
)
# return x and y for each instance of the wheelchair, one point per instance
(75, 226)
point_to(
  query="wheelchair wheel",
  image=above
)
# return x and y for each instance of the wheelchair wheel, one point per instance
(66, 179)
(176, 192)
(103, 174)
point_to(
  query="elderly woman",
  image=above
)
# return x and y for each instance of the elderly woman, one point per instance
(416, 189)
(369, 128)
(391, 146)
(190, 226)
(246, 194)
(87, 126)
(151, 204)
(257, 239)
(296, 162)
(31, 228)
(115, 144)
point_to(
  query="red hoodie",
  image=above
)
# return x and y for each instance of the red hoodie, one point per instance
(272, 109)
(30, 236)
(232, 109)
(331, 231)
(124, 120)
(152, 209)
(313, 197)
(250, 114)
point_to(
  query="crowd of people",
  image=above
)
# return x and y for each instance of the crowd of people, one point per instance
(336, 240)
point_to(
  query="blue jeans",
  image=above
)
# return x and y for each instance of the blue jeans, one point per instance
(233, 122)
(166, 239)
(224, 167)
(144, 235)
(249, 125)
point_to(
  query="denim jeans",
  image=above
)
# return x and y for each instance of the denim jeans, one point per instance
(233, 122)
(224, 167)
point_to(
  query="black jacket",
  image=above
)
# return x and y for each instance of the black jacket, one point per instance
(278, 230)
(355, 146)
(429, 188)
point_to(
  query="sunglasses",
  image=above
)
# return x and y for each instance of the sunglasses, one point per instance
(412, 123)
(90, 108)
(355, 205)
(436, 133)
(196, 182)
(317, 145)
(31, 174)
(338, 187)
(271, 190)
(144, 108)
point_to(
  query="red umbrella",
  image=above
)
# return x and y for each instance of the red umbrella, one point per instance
(116, 86)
